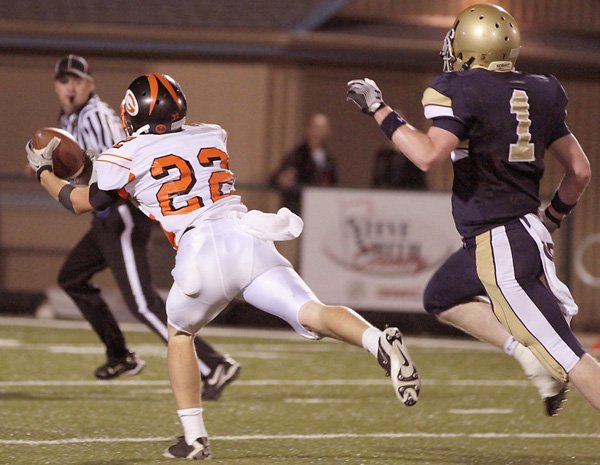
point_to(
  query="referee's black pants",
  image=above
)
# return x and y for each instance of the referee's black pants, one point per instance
(118, 240)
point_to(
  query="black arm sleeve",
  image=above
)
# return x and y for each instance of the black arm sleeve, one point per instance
(102, 199)
(453, 125)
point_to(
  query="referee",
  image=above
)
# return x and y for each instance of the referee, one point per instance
(117, 239)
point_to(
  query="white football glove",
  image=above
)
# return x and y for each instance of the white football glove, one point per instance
(41, 159)
(365, 94)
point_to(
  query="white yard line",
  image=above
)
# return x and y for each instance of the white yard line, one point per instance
(254, 437)
(424, 342)
(315, 400)
(481, 411)
(275, 333)
(266, 382)
(254, 333)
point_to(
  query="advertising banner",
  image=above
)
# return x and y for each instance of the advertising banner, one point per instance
(374, 250)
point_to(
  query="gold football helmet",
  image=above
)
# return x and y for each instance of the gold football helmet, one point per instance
(483, 35)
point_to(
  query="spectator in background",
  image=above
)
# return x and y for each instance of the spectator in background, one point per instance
(392, 170)
(308, 164)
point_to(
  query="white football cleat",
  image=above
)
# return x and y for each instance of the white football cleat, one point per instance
(393, 357)
(552, 391)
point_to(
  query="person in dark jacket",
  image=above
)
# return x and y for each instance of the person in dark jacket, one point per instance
(392, 170)
(308, 164)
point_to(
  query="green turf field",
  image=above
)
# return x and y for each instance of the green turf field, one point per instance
(296, 402)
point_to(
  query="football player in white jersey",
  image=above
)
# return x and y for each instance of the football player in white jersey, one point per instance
(179, 175)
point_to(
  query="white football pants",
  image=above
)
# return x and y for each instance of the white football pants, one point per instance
(216, 262)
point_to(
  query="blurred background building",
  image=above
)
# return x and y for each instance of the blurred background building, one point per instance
(259, 68)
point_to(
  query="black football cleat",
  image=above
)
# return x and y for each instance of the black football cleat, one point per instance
(217, 380)
(555, 403)
(130, 365)
(198, 450)
(552, 391)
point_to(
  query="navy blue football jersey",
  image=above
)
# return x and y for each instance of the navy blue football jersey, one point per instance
(505, 121)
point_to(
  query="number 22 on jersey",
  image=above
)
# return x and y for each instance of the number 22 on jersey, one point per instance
(523, 149)
(170, 190)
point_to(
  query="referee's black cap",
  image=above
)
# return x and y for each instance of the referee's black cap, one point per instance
(72, 64)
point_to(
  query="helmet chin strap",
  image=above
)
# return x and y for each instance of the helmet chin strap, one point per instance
(467, 64)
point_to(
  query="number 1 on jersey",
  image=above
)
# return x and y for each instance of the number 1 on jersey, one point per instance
(523, 150)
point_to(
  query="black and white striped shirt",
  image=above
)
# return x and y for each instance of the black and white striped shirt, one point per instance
(96, 126)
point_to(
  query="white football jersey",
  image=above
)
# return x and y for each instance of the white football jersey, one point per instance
(176, 178)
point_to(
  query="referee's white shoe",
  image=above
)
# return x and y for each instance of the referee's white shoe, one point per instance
(393, 357)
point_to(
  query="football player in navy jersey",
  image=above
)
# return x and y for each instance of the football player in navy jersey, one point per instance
(496, 123)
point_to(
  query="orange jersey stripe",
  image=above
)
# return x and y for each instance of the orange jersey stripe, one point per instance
(169, 234)
(116, 156)
(113, 163)
(123, 193)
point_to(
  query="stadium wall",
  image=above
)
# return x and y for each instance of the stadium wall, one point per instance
(263, 106)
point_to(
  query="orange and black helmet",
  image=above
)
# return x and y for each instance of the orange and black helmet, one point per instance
(154, 103)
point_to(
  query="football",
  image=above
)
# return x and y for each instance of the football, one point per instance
(68, 159)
